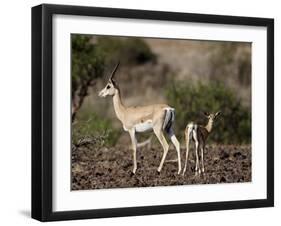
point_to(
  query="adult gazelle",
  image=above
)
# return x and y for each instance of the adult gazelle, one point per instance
(156, 117)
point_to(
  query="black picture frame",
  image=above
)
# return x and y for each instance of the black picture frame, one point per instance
(42, 111)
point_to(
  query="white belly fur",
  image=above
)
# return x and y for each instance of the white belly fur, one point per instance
(144, 126)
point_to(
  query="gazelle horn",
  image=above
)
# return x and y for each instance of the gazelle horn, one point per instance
(113, 72)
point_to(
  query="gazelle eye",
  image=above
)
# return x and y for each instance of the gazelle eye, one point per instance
(108, 87)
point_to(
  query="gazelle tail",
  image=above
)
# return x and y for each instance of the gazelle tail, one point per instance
(168, 120)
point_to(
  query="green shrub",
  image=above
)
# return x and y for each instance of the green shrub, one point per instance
(87, 64)
(190, 100)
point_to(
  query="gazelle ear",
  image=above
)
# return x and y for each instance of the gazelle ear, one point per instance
(217, 114)
(206, 114)
(113, 82)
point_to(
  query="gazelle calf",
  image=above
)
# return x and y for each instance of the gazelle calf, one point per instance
(157, 117)
(199, 135)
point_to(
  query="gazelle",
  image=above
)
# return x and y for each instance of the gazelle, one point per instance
(157, 117)
(199, 135)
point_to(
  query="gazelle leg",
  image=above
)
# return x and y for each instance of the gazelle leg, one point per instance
(202, 159)
(177, 146)
(197, 167)
(187, 140)
(134, 148)
(163, 142)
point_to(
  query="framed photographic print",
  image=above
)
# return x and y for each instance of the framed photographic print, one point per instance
(147, 112)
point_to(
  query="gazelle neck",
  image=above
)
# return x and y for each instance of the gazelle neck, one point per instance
(118, 105)
(209, 125)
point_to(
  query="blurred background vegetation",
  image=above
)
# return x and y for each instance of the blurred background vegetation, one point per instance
(191, 76)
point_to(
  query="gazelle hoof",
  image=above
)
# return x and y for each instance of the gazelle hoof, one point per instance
(179, 171)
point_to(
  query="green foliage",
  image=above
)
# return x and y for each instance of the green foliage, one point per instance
(87, 64)
(91, 125)
(190, 100)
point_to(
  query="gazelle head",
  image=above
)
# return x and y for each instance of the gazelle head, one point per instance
(212, 116)
(111, 88)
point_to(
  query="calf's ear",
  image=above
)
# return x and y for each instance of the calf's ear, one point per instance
(217, 114)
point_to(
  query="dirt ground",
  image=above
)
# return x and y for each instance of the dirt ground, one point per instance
(112, 167)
